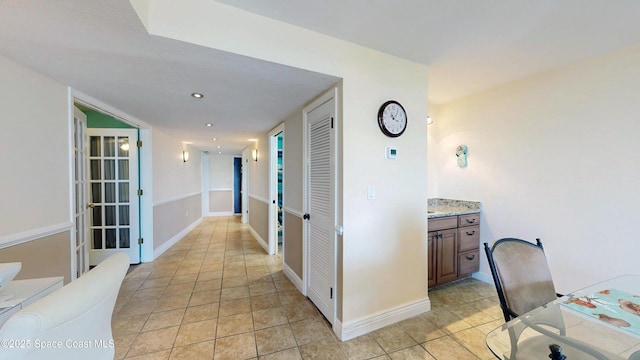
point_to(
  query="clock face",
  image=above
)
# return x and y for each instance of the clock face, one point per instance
(392, 118)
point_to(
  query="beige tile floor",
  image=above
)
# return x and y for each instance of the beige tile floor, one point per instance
(217, 295)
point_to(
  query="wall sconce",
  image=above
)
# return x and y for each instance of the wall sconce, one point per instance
(254, 154)
(185, 156)
(429, 120)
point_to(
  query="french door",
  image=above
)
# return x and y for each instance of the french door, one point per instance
(113, 198)
(80, 223)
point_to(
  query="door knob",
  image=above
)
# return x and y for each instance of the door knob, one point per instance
(306, 216)
(90, 206)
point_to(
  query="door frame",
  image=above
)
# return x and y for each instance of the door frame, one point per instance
(273, 188)
(145, 160)
(245, 185)
(325, 97)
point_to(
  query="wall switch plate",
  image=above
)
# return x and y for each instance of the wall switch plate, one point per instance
(371, 192)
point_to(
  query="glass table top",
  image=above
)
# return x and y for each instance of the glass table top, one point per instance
(601, 321)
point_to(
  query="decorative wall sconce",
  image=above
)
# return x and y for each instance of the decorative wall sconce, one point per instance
(185, 156)
(254, 154)
(461, 154)
(429, 120)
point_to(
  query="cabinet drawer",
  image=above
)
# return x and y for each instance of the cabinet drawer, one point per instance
(468, 262)
(447, 222)
(469, 238)
(469, 220)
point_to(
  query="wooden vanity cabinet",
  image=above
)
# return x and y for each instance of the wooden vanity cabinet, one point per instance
(453, 248)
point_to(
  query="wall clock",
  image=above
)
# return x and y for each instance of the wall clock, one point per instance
(392, 118)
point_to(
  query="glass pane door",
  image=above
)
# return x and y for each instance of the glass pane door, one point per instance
(113, 178)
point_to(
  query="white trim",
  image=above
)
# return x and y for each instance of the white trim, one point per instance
(381, 319)
(220, 190)
(106, 109)
(71, 108)
(220, 213)
(182, 197)
(291, 275)
(273, 186)
(245, 185)
(291, 211)
(34, 234)
(167, 245)
(259, 198)
(146, 201)
(258, 238)
(483, 277)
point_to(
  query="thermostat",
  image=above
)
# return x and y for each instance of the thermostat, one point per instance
(390, 152)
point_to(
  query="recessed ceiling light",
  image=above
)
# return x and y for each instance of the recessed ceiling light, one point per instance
(214, 139)
(218, 146)
(252, 140)
(197, 95)
(209, 124)
(219, 152)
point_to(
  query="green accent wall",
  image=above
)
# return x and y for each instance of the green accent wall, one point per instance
(99, 120)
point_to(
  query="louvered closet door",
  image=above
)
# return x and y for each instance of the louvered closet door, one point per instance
(321, 209)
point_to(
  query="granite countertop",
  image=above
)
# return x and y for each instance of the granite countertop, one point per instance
(448, 207)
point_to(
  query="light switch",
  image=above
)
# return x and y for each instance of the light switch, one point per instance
(371, 192)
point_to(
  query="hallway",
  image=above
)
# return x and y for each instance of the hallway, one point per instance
(217, 295)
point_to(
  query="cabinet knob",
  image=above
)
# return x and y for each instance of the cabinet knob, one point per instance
(471, 257)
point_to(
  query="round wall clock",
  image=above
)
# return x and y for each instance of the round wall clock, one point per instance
(392, 118)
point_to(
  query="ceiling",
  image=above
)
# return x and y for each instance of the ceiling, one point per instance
(100, 48)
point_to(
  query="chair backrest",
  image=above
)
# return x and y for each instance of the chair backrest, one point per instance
(521, 275)
(73, 322)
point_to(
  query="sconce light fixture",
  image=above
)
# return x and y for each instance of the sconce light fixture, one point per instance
(254, 154)
(429, 120)
(185, 156)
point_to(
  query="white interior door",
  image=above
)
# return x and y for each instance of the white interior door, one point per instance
(81, 260)
(320, 205)
(276, 173)
(113, 185)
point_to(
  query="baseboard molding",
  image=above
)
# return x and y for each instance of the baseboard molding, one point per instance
(291, 275)
(381, 319)
(259, 239)
(483, 277)
(221, 213)
(164, 247)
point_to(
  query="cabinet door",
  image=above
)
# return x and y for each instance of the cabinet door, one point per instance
(447, 253)
(431, 258)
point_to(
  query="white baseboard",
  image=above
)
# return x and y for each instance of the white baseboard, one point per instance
(381, 319)
(164, 247)
(294, 278)
(259, 239)
(221, 213)
(483, 277)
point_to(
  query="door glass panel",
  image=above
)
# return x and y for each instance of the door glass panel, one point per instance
(110, 238)
(123, 196)
(95, 170)
(123, 169)
(110, 215)
(109, 169)
(124, 238)
(109, 146)
(97, 216)
(94, 147)
(123, 146)
(78, 230)
(96, 196)
(124, 215)
(110, 192)
(97, 238)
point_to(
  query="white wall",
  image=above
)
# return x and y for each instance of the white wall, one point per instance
(554, 157)
(384, 239)
(221, 172)
(173, 178)
(35, 148)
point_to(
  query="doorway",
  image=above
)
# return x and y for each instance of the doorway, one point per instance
(276, 182)
(237, 185)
